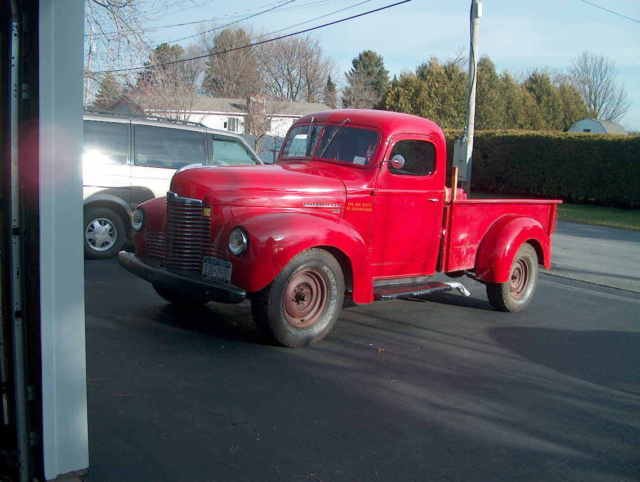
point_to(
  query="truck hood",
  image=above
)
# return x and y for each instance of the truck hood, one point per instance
(260, 186)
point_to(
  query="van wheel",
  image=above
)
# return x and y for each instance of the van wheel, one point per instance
(517, 293)
(302, 304)
(104, 233)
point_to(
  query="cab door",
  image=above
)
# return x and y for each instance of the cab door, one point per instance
(408, 207)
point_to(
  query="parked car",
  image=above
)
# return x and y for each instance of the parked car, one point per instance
(357, 205)
(129, 160)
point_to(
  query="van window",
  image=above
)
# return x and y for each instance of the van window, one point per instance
(230, 152)
(106, 142)
(168, 148)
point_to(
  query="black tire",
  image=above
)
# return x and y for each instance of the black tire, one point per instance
(180, 298)
(516, 294)
(303, 303)
(112, 235)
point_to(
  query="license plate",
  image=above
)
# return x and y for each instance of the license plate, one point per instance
(216, 269)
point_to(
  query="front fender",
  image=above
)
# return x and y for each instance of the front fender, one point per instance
(276, 238)
(501, 243)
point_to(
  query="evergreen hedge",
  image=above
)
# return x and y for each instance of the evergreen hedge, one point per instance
(575, 167)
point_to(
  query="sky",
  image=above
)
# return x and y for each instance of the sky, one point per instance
(518, 35)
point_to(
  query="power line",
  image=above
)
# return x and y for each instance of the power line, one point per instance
(254, 44)
(320, 16)
(262, 12)
(610, 11)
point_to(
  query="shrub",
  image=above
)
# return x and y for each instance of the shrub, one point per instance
(576, 167)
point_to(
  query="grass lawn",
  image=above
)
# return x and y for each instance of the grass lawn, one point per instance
(601, 216)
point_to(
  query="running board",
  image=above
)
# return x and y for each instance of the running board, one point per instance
(384, 293)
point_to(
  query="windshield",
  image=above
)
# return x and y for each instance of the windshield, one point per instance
(352, 145)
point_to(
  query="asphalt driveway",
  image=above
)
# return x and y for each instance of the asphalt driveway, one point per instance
(445, 389)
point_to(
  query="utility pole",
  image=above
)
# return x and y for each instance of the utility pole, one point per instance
(464, 146)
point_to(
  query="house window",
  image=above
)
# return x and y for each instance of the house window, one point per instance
(233, 124)
(586, 130)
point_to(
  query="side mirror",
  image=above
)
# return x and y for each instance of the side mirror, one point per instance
(398, 161)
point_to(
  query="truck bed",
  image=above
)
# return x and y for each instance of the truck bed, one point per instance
(467, 221)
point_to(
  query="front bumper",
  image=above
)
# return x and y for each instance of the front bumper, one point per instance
(153, 273)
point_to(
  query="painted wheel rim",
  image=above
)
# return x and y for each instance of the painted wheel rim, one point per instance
(519, 278)
(101, 234)
(305, 298)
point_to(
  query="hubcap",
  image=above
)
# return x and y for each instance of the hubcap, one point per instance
(305, 298)
(519, 278)
(101, 234)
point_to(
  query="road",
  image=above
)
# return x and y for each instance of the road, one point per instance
(605, 256)
(442, 390)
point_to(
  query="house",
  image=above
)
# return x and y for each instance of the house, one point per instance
(233, 114)
(597, 126)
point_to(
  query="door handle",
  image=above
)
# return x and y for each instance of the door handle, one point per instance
(433, 200)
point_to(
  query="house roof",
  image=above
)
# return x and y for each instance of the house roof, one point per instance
(239, 106)
(608, 126)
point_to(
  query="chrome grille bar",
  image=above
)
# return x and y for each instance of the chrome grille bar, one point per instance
(188, 233)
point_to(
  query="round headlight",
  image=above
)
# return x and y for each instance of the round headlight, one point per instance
(137, 219)
(238, 241)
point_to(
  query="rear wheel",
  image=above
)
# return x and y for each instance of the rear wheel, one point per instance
(302, 304)
(104, 233)
(517, 292)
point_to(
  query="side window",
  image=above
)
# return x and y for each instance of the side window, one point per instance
(168, 148)
(418, 157)
(106, 142)
(230, 152)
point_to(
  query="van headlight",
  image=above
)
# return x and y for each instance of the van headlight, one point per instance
(137, 219)
(238, 241)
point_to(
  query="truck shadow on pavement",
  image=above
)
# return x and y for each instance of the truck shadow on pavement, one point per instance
(602, 357)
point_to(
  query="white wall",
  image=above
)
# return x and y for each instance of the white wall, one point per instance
(279, 125)
(593, 126)
(64, 388)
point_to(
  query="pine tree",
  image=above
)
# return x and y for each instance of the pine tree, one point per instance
(367, 81)
(109, 92)
(330, 97)
(547, 98)
(490, 109)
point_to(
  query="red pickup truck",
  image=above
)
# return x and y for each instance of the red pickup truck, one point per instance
(355, 206)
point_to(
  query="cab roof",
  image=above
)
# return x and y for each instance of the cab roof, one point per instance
(388, 122)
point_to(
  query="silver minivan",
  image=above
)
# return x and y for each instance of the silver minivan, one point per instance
(127, 160)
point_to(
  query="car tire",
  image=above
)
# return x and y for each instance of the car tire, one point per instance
(516, 294)
(104, 233)
(303, 303)
(179, 297)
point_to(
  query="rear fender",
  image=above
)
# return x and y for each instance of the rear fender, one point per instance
(501, 243)
(276, 238)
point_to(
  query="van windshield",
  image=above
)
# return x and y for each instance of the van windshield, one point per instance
(352, 145)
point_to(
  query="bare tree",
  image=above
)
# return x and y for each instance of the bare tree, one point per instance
(294, 69)
(169, 90)
(233, 74)
(595, 78)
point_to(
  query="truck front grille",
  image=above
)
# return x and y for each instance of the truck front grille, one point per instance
(156, 244)
(188, 233)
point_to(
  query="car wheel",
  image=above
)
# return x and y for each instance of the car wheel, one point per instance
(180, 298)
(104, 233)
(517, 293)
(302, 304)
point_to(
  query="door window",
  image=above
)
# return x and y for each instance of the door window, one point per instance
(105, 142)
(418, 157)
(168, 148)
(230, 152)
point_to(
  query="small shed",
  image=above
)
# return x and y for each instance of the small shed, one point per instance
(597, 126)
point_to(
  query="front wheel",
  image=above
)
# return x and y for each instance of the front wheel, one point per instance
(302, 304)
(517, 293)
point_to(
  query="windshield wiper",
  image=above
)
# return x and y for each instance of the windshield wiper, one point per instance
(332, 138)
